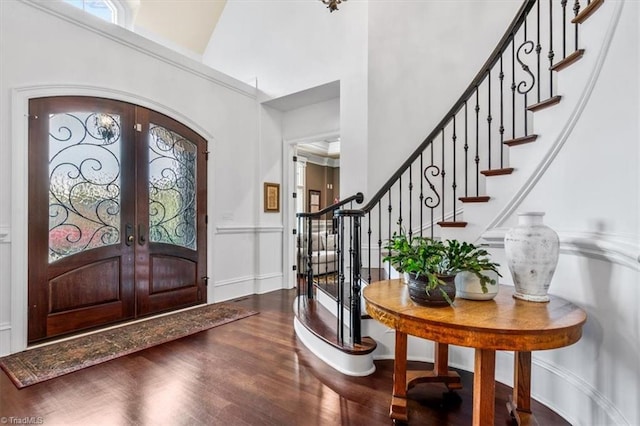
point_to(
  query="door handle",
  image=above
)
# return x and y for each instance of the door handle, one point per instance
(141, 237)
(128, 234)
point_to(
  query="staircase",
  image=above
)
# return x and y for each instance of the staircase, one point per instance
(469, 174)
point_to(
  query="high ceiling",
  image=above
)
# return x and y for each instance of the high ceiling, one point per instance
(187, 23)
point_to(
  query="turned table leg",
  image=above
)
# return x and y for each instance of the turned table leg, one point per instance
(398, 409)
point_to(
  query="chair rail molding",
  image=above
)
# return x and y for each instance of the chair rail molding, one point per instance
(619, 249)
(248, 229)
(590, 392)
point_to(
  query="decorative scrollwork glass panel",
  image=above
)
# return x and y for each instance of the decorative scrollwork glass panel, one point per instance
(172, 188)
(84, 182)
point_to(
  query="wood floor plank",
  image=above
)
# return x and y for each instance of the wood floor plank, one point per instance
(249, 372)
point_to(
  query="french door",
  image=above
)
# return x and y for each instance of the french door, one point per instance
(117, 214)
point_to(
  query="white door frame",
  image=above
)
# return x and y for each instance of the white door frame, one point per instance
(289, 204)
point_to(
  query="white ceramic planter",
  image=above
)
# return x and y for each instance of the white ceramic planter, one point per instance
(468, 286)
(532, 250)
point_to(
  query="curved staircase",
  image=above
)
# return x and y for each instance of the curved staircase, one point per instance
(467, 177)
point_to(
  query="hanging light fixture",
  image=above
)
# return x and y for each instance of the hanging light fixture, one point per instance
(332, 4)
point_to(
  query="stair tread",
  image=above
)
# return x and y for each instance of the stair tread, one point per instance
(319, 321)
(498, 172)
(544, 104)
(587, 12)
(452, 224)
(571, 59)
(521, 140)
(477, 199)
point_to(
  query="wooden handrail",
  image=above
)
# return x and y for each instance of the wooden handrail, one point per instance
(358, 198)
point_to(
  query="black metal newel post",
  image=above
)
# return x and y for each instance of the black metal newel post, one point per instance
(356, 312)
(341, 266)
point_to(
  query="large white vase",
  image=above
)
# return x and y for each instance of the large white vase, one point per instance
(532, 250)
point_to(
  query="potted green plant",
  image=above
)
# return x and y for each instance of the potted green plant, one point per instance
(432, 266)
(398, 248)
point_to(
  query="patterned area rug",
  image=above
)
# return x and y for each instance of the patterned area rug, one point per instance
(54, 360)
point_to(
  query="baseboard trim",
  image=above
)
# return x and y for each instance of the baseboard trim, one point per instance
(5, 339)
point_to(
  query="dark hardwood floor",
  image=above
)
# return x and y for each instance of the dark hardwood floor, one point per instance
(249, 372)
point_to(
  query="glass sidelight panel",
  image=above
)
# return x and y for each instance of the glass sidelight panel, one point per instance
(172, 188)
(84, 182)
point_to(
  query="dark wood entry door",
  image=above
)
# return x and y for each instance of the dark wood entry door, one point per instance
(117, 214)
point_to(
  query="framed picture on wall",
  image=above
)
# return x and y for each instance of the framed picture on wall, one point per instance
(271, 197)
(314, 201)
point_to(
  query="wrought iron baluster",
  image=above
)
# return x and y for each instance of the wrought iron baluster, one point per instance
(489, 119)
(309, 260)
(442, 173)
(454, 184)
(513, 87)
(430, 201)
(551, 54)
(538, 47)
(526, 93)
(421, 197)
(525, 87)
(389, 220)
(501, 77)
(477, 157)
(410, 200)
(299, 250)
(369, 245)
(564, 28)
(400, 204)
(466, 152)
(326, 258)
(341, 279)
(576, 10)
(380, 234)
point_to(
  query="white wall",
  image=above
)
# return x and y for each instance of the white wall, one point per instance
(287, 47)
(46, 52)
(311, 121)
(422, 55)
(414, 60)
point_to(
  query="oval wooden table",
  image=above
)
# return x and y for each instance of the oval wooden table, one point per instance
(504, 323)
